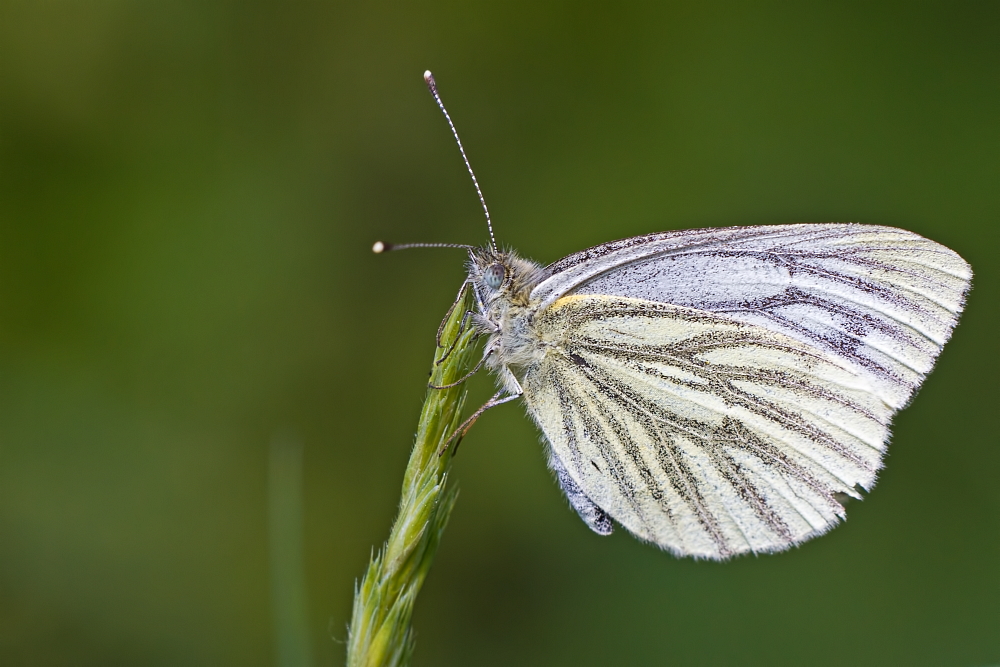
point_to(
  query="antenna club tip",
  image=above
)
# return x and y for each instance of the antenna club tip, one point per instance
(428, 77)
(379, 247)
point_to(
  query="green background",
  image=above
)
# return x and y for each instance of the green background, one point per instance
(188, 196)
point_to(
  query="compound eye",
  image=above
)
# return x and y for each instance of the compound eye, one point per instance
(494, 275)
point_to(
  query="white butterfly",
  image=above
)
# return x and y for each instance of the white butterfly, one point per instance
(716, 391)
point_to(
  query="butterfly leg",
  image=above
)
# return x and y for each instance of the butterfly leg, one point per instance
(497, 399)
(451, 309)
(464, 377)
(461, 327)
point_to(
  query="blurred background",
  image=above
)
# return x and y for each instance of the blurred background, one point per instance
(195, 336)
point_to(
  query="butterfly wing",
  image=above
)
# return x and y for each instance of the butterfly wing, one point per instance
(883, 300)
(706, 435)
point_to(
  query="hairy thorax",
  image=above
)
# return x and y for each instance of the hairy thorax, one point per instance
(515, 344)
(506, 311)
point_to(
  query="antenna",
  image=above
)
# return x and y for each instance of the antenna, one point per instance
(429, 78)
(381, 247)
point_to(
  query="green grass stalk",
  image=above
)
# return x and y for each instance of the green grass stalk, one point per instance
(380, 633)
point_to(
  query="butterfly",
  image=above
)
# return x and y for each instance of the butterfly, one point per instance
(716, 391)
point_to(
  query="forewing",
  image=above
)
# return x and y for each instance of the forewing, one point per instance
(883, 300)
(708, 436)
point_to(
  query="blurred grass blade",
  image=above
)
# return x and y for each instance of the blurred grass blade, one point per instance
(380, 633)
(288, 592)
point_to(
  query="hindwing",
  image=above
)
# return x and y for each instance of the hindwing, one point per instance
(703, 434)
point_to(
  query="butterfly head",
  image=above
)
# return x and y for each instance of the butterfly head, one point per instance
(503, 275)
(489, 271)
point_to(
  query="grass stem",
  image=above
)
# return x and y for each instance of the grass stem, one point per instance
(380, 634)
